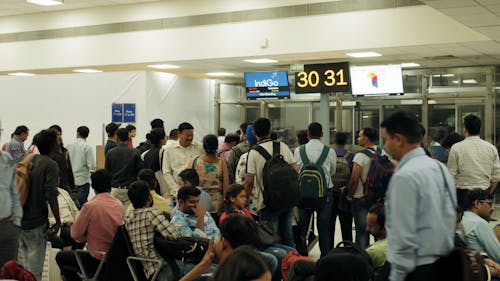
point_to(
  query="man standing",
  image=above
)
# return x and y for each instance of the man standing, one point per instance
(16, 145)
(96, 224)
(42, 190)
(361, 166)
(236, 151)
(478, 233)
(178, 155)
(111, 129)
(82, 162)
(11, 210)
(123, 163)
(419, 204)
(254, 181)
(314, 150)
(147, 145)
(473, 162)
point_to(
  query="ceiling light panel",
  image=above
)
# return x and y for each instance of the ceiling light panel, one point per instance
(21, 74)
(260, 61)
(410, 64)
(46, 2)
(87, 70)
(220, 74)
(364, 55)
(163, 66)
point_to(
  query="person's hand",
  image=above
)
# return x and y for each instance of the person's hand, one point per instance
(69, 223)
(8, 219)
(55, 228)
(199, 211)
(208, 258)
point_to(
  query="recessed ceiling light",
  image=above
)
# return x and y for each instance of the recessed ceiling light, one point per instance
(219, 74)
(46, 2)
(410, 64)
(364, 55)
(163, 66)
(260, 60)
(21, 74)
(87, 70)
(444, 75)
(469, 81)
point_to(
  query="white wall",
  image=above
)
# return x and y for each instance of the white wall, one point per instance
(72, 100)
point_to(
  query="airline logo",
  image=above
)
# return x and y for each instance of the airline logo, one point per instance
(271, 82)
(373, 76)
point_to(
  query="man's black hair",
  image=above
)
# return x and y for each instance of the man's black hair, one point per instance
(273, 136)
(156, 123)
(232, 137)
(46, 141)
(474, 195)
(111, 129)
(378, 210)
(130, 127)
(473, 124)
(262, 127)
(20, 130)
(239, 230)
(83, 131)
(173, 133)
(243, 126)
(156, 136)
(138, 194)
(210, 144)
(148, 176)
(405, 124)
(56, 127)
(450, 139)
(315, 130)
(122, 134)
(221, 132)
(101, 181)
(185, 126)
(190, 175)
(371, 134)
(341, 138)
(302, 137)
(184, 193)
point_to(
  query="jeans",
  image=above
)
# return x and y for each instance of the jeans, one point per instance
(272, 262)
(32, 245)
(345, 219)
(279, 251)
(281, 223)
(9, 242)
(167, 274)
(122, 196)
(323, 223)
(82, 194)
(359, 211)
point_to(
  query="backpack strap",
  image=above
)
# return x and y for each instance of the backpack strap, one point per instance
(276, 148)
(303, 155)
(195, 161)
(322, 157)
(262, 151)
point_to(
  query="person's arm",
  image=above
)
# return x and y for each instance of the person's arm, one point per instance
(51, 192)
(401, 224)
(249, 182)
(184, 227)
(332, 157)
(139, 164)
(353, 181)
(79, 226)
(488, 240)
(165, 228)
(495, 174)
(168, 172)
(203, 265)
(199, 211)
(225, 174)
(453, 162)
(250, 173)
(17, 209)
(90, 159)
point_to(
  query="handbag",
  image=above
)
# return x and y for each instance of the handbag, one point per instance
(266, 235)
(162, 182)
(186, 249)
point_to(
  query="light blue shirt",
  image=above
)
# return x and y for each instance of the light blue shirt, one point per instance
(480, 236)
(82, 160)
(9, 198)
(16, 149)
(420, 215)
(313, 151)
(187, 225)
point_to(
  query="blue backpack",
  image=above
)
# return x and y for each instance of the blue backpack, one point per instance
(312, 180)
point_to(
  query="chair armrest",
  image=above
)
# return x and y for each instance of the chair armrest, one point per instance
(79, 258)
(130, 261)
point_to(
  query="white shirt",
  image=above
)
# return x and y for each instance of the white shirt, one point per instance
(255, 167)
(314, 148)
(82, 160)
(67, 208)
(365, 162)
(174, 161)
(474, 163)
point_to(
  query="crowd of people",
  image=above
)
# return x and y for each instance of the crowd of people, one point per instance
(229, 187)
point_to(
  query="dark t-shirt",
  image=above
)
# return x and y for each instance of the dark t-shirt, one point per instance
(123, 163)
(152, 159)
(44, 177)
(109, 144)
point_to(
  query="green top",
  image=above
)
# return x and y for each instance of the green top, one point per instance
(378, 252)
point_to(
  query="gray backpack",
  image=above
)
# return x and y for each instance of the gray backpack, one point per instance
(342, 172)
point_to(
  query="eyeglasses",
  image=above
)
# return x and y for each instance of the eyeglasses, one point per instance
(489, 202)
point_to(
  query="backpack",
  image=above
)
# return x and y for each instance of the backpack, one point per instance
(280, 179)
(377, 180)
(23, 168)
(342, 172)
(312, 180)
(14, 271)
(347, 261)
(289, 260)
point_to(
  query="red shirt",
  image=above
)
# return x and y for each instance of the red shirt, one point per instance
(97, 222)
(243, 211)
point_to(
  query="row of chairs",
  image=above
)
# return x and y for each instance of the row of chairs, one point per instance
(119, 255)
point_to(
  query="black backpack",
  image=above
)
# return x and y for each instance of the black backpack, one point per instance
(280, 179)
(379, 175)
(346, 262)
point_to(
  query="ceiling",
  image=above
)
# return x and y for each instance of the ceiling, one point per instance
(482, 16)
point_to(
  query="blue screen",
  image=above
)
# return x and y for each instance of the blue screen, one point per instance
(265, 85)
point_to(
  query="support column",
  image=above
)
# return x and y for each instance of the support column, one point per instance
(324, 117)
(425, 108)
(338, 113)
(216, 106)
(489, 104)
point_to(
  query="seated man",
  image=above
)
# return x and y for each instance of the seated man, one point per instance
(236, 231)
(68, 213)
(476, 230)
(142, 223)
(375, 225)
(191, 218)
(159, 203)
(189, 177)
(97, 223)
